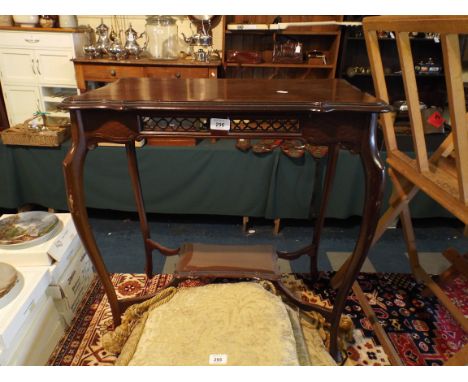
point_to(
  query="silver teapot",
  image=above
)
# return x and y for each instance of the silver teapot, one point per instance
(198, 39)
(203, 37)
(103, 41)
(200, 42)
(116, 50)
(201, 56)
(132, 48)
(90, 51)
(197, 44)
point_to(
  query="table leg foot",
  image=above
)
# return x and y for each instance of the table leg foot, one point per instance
(245, 223)
(328, 314)
(277, 227)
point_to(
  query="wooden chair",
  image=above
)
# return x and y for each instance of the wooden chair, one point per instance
(443, 176)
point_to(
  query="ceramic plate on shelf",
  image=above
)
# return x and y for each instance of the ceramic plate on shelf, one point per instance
(27, 229)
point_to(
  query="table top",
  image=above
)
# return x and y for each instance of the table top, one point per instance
(260, 95)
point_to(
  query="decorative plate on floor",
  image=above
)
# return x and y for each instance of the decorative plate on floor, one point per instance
(14, 292)
(27, 229)
(8, 277)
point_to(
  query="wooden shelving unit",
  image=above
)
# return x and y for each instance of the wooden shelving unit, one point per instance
(354, 54)
(284, 32)
(274, 65)
(322, 38)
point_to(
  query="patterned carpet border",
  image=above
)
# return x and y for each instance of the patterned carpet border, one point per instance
(422, 330)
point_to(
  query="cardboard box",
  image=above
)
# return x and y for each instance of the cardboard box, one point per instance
(45, 253)
(58, 268)
(70, 289)
(68, 309)
(70, 281)
(20, 305)
(36, 341)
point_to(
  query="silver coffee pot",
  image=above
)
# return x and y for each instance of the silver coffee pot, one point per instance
(103, 42)
(89, 48)
(132, 48)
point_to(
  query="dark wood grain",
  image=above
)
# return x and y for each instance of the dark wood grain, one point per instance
(312, 249)
(108, 70)
(200, 94)
(146, 62)
(327, 112)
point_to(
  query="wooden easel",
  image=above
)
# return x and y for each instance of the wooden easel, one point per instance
(444, 175)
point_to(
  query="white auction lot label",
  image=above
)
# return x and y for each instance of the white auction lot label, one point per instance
(218, 359)
(220, 124)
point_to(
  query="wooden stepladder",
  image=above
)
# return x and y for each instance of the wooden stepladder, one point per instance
(443, 175)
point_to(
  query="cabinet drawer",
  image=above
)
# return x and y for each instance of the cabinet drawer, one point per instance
(176, 72)
(109, 73)
(32, 40)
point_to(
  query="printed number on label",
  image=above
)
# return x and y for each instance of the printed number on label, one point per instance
(220, 124)
(218, 359)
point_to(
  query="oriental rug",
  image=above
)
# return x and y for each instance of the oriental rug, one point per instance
(421, 330)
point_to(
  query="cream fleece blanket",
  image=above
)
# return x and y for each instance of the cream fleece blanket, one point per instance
(223, 324)
(242, 322)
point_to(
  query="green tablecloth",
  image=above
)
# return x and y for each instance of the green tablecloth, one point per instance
(207, 179)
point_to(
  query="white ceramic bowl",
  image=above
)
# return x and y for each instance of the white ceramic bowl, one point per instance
(26, 21)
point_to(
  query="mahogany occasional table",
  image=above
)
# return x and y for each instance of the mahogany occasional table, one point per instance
(327, 112)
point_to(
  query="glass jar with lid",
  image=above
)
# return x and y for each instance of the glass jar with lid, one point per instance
(162, 37)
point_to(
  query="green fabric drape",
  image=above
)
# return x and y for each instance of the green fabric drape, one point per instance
(209, 178)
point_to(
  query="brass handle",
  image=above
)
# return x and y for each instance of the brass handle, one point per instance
(113, 72)
(177, 75)
(32, 65)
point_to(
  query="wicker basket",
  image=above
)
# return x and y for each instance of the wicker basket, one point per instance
(23, 135)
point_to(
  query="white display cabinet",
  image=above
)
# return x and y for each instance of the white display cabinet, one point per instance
(34, 65)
